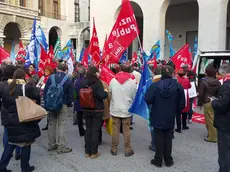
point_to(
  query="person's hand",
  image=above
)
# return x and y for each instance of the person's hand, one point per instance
(106, 90)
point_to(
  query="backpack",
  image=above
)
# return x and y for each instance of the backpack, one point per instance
(87, 100)
(54, 99)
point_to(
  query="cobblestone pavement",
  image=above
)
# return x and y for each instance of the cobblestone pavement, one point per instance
(190, 152)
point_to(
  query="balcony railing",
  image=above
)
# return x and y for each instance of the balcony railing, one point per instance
(52, 15)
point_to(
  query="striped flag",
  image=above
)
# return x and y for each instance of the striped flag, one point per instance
(57, 47)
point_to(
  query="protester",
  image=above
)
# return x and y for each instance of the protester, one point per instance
(157, 77)
(222, 119)
(123, 90)
(77, 108)
(32, 69)
(41, 84)
(19, 134)
(8, 74)
(209, 87)
(94, 116)
(165, 92)
(136, 73)
(185, 83)
(57, 119)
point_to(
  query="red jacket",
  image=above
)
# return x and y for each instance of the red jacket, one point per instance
(186, 85)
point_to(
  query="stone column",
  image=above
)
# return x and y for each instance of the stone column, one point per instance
(79, 45)
(2, 40)
(212, 24)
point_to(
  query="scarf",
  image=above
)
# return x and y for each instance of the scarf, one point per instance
(227, 77)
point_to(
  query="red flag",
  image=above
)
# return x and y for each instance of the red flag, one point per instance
(85, 61)
(50, 58)
(94, 49)
(104, 59)
(123, 33)
(134, 58)
(21, 53)
(182, 57)
(43, 62)
(153, 62)
(106, 74)
(3, 55)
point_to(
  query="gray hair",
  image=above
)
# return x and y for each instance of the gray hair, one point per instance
(225, 68)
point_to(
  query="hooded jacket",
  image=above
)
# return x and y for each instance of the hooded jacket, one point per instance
(208, 87)
(123, 90)
(167, 99)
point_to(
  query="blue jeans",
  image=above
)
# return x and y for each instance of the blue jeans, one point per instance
(7, 154)
(153, 138)
(5, 142)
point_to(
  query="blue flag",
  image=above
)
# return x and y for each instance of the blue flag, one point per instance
(139, 105)
(195, 46)
(65, 53)
(27, 58)
(155, 51)
(12, 53)
(32, 47)
(82, 54)
(124, 57)
(40, 35)
(170, 38)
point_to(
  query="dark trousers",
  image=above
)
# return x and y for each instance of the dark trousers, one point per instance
(100, 132)
(7, 154)
(190, 110)
(5, 142)
(93, 125)
(153, 138)
(224, 151)
(80, 123)
(163, 143)
(184, 120)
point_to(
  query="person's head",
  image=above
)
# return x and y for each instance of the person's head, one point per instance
(181, 73)
(8, 62)
(158, 71)
(62, 67)
(48, 71)
(125, 68)
(31, 67)
(224, 70)
(92, 73)
(210, 71)
(18, 74)
(167, 71)
(81, 71)
(8, 72)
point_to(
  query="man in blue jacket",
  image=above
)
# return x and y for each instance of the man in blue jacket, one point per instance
(167, 99)
(60, 116)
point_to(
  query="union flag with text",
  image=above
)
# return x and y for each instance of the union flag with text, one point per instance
(123, 33)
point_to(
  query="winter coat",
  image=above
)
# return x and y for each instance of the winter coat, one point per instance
(98, 92)
(185, 83)
(106, 102)
(123, 90)
(166, 98)
(208, 87)
(77, 86)
(67, 88)
(221, 107)
(19, 132)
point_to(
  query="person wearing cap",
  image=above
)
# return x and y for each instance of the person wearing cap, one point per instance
(57, 120)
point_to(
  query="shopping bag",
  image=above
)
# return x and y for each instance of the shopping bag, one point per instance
(109, 126)
(28, 110)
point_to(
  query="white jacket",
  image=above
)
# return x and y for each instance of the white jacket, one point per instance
(122, 97)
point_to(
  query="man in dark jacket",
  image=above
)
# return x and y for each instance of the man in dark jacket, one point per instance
(221, 107)
(61, 116)
(165, 92)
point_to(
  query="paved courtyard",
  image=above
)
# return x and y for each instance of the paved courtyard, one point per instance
(190, 152)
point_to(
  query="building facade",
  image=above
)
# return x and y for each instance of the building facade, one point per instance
(185, 19)
(56, 17)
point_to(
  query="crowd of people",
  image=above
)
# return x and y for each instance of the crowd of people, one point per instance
(112, 101)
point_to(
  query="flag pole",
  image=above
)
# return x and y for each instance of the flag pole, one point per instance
(139, 41)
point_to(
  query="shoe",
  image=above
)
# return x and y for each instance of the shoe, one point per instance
(82, 133)
(185, 128)
(152, 148)
(211, 141)
(17, 157)
(87, 155)
(169, 164)
(130, 153)
(64, 150)
(131, 128)
(32, 168)
(154, 162)
(52, 148)
(113, 153)
(95, 156)
(178, 131)
(46, 128)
